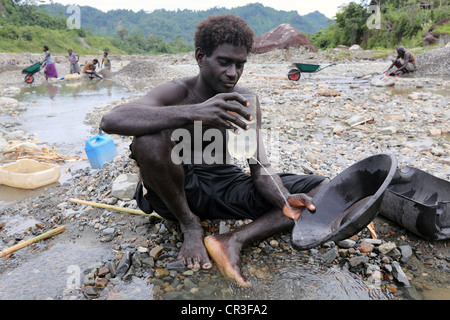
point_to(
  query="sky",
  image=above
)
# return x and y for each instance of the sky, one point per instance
(327, 7)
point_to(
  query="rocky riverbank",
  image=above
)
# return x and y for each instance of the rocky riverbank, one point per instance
(321, 125)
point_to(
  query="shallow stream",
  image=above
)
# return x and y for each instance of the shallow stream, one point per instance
(55, 114)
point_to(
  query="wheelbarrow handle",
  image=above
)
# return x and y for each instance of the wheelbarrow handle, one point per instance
(328, 65)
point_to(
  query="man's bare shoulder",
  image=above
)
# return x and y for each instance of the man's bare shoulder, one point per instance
(243, 90)
(170, 93)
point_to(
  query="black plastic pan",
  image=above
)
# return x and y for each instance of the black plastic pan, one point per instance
(347, 204)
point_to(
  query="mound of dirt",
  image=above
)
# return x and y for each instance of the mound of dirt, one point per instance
(11, 67)
(139, 69)
(282, 37)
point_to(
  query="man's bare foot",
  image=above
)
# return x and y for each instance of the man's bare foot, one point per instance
(193, 251)
(227, 257)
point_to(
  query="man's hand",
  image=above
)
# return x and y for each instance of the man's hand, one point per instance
(224, 109)
(297, 203)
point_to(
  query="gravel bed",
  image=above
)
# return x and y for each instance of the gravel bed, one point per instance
(321, 124)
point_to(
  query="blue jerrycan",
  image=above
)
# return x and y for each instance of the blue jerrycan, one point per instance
(100, 149)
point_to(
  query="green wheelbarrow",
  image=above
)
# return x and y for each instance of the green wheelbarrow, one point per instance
(30, 71)
(296, 74)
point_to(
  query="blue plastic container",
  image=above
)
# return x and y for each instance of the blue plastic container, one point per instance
(100, 149)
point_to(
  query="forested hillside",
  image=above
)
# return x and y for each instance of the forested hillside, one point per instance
(27, 27)
(404, 22)
(181, 23)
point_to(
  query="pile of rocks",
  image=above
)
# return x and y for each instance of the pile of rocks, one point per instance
(10, 139)
(434, 62)
(147, 248)
(9, 106)
(154, 260)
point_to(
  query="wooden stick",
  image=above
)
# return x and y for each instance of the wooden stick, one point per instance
(116, 208)
(371, 227)
(67, 169)
(26, 243)
(361, 122)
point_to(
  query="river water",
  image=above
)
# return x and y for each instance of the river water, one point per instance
(55, 114)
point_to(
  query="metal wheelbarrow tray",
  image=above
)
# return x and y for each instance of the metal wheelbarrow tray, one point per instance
(295, 74)
(420, 202)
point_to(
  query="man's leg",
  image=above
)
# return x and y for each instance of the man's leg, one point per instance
(225, 249)
(398, 63)
(166, 179)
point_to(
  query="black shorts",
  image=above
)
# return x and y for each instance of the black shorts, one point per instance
(223, 192)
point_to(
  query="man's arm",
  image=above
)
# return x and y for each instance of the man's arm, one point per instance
(270, 186)
(266, 180)
(393, 63)
(163, 109)
(406, 61)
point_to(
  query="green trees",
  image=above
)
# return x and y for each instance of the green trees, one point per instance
(24, 28)
(402, 22)
(181, 23)
(351, 22)
(125, 31)
(122, 33)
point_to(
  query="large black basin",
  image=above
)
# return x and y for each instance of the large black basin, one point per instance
(420, 202)
(347, 204)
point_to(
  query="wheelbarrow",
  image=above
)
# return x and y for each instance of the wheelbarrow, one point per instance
(295, 74)
(30, 71)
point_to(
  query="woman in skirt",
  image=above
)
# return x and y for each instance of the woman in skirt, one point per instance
(49, 63)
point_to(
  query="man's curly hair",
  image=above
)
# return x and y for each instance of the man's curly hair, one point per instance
(224, 28)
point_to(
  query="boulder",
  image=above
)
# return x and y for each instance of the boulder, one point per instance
(444, 39)
(282, 37)
(9, 102)
(341, 47)
(355, 47)
(385, 82)
(429, 39)
(432, 37)
(124, 186)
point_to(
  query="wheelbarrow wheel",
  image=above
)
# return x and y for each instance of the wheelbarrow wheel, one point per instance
(29, 79)
(294, 75)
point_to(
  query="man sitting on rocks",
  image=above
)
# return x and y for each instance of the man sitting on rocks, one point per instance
(89, 69)
(405, 62)
(190, 189)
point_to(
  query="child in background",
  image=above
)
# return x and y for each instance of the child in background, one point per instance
(74, 66)
(106, 61)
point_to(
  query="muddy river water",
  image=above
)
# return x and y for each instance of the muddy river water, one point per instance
(55, 114)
